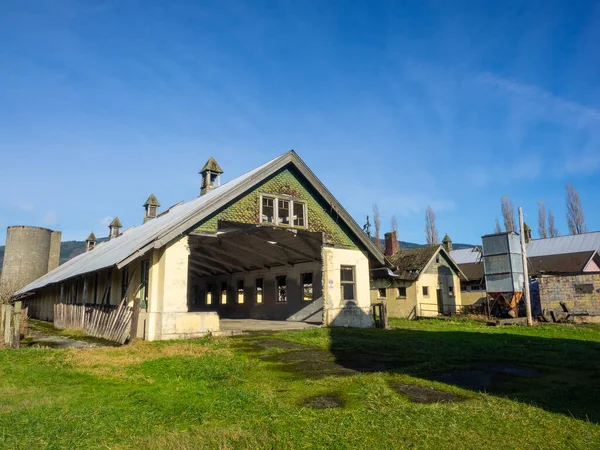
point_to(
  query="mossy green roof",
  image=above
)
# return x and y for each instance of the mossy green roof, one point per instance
(91, 237)
(212, 165)
(116, 223)
(152, 201)
(446, 239)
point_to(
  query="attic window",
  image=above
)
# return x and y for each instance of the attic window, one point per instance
(151, 211)
(437, 259)
(283, 212)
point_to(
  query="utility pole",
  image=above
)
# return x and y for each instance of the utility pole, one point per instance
(525, 270)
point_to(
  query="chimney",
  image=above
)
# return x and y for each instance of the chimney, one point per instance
(447, 243)
(90, 242)
(151, 208)
(391, 243)
(211, 176)
(114, 228)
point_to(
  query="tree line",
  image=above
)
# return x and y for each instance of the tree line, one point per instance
(546, 221)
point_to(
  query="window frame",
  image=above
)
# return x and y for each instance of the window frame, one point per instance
(425, 290)
(291, 216)
(343, 283)
(400, 295)
(277, 286)
(312, 286)
(240, 291)
(223, 293)
(384, 296)
(258, 289)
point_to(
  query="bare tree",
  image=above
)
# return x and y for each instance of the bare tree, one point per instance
(431, 233)
(552, 231)
(542, 230)
(377, 223)
(395, 229)
(575, 217)
(497, 227)
(508, 213)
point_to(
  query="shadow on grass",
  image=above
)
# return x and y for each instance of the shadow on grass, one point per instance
(558, 375)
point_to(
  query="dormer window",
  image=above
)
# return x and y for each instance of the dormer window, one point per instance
(282, 211)
(151, 208)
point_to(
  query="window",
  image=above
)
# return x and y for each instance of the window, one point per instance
(223, 293)
(268, 210)
(151, 211)
(283, 212)
(451, 290)
(426, 291)
(259, 290)
(299, 214)
(145, 281)
(124, 281)
(281, 289)
(437, 259)
(208, 299)
(240, 291)
(307, 286)
(347, 282)
(401, 292)
(381, 293)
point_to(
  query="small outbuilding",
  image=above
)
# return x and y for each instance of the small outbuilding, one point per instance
(422, 282)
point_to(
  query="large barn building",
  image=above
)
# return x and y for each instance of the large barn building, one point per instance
(272, 244)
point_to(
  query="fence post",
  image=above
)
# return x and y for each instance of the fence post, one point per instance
(16, 340)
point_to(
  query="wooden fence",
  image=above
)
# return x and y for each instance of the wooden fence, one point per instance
(106, 322)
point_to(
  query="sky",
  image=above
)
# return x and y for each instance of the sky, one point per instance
(403, 104)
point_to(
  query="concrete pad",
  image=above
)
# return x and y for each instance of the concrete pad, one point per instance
(239, 326)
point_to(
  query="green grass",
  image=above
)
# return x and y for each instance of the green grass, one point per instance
(246, 393)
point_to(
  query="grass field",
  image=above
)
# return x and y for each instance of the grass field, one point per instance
(416, 386)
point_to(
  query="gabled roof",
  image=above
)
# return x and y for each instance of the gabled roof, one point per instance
(152, 201)
(136, 241)
(91, 237)
(409, 264)
(212, 165)
(562, 263)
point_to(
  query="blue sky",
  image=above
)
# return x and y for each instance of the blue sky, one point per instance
(403, 104)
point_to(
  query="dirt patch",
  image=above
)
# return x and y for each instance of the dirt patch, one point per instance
(422, 394)
(278, 343)
(483, 378)
(38, 339)
(325, 401)
(310, 363)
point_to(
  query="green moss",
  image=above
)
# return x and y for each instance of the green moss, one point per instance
(320, 216)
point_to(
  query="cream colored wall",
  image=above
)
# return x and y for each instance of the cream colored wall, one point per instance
(397, 307)
(336, 311)
(427, 306)
(167, 315)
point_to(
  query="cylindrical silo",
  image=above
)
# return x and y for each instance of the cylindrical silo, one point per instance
(30, 253)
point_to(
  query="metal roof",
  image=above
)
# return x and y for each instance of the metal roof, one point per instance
(560, 245)
(136, 241)
(466, 255)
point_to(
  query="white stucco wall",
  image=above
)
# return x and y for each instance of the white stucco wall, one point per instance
(337, 311)
(167, 316)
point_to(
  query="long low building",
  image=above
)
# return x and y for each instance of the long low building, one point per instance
(271, 244)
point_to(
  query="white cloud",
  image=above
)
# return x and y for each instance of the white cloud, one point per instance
(567, 108)
(106, 221)
(50, 218)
